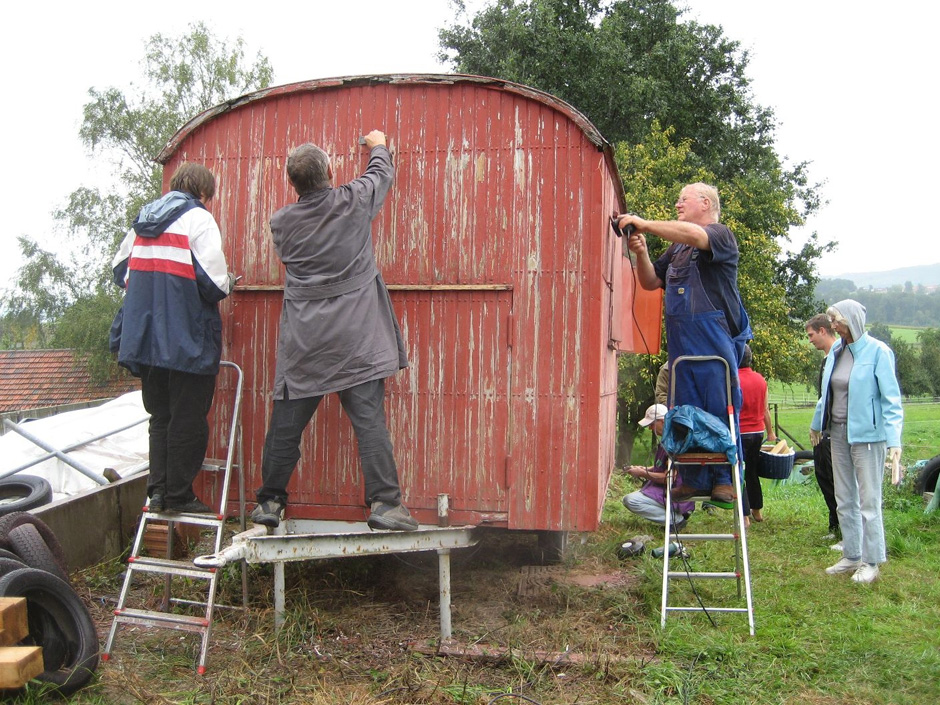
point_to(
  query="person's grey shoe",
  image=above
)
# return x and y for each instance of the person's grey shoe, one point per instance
(192, 507)
(391, 517)
(155, 504)
(268, 513)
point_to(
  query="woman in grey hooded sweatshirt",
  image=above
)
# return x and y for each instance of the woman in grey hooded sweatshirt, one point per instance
(860, 406)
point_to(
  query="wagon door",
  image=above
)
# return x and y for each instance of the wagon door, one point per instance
(449, 412)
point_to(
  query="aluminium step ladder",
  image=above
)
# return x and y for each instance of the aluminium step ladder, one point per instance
(741, 572)
(169, 568)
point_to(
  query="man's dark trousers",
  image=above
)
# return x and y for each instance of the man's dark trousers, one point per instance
(364, 404)
(178, 404)
(822, 461)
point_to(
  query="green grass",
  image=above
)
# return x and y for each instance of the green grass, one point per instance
(906, 333)
(920, 439)
(790, 394)
(820, 640)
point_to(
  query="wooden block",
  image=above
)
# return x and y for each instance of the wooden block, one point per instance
(13, 625)
(19, 665)
(155, 539)
(780, 448)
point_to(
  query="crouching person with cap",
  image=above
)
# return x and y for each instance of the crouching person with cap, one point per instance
(649, 501)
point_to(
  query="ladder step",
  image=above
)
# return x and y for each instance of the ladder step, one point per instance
(702, 537)
(701, 574)
(203, 519)
(706, 609)
(701, 458)
(164, 620)
(170, 567)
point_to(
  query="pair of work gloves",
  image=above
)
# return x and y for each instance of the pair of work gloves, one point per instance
(894, 454)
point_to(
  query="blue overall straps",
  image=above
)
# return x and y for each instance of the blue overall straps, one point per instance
(695, 327)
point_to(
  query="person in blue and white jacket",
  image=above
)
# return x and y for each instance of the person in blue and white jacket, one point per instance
(860, 407)
(169, 331)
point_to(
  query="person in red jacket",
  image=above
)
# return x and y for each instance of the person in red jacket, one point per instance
(754, 420)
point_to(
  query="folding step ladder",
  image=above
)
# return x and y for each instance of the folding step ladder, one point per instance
(741, 572)
(169, 568)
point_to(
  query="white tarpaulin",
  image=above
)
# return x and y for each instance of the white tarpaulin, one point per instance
(125, 451)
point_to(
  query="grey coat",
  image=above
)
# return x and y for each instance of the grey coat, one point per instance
(338, 328)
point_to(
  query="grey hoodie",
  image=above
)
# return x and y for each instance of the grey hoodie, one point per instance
(854, 314)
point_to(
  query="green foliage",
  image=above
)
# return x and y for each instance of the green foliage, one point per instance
(654, 173)
(930, 357)
(674, 98)
(44, 285)
(184, 76)
(881, 332)
(66, 299)
(898, 307)
(917, 365)
(832, 290)
(625, 64)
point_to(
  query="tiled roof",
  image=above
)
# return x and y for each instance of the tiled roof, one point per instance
(31, 379)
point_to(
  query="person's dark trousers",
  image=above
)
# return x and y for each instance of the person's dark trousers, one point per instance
(822, 462)
(754, 494)
(179, 404)
(364, 404)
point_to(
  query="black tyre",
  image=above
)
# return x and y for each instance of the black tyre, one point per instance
(8, 565)
(60, 623)
(11, 521)
(21, 492)
(30, 546)
(4, 553)
(926, 480)
(803, 455)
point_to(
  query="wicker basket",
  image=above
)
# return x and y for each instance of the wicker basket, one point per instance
(775, 467)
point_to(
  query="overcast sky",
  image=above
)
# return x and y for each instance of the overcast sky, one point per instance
(852, 89)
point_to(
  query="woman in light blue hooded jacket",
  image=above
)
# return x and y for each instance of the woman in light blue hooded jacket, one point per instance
(860, 407)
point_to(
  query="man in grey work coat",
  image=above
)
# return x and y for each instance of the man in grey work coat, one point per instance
(338, 329)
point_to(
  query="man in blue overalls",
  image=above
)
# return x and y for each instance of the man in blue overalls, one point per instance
(704, 313)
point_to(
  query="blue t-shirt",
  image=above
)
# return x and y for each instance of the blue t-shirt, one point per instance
(718, 269)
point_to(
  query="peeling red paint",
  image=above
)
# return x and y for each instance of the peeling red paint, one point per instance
(506, 277)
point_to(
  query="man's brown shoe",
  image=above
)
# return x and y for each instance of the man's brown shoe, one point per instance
(686, 492)
(723, 495)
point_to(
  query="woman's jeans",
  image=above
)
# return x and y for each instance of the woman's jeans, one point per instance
(857, 472)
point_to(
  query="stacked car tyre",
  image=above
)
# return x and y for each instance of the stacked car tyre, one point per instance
(33, 565)
(21, 492)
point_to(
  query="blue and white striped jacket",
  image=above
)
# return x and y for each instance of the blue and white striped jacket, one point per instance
(174, 273)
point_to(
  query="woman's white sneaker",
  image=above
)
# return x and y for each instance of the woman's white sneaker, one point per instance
(844, 566)
(866, 573)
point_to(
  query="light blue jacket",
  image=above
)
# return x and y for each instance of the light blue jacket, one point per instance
(874, 412)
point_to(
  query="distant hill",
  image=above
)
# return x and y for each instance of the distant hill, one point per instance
(924, 274)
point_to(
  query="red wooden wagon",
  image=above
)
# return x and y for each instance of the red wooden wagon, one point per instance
(512, 291)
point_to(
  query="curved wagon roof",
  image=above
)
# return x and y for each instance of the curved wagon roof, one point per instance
(320, 84)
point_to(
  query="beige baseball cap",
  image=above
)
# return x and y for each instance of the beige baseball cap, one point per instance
(656, 411)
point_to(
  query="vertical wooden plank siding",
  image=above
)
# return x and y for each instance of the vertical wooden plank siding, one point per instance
(505, 277)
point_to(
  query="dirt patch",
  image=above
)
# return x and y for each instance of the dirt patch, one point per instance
(352, 626)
